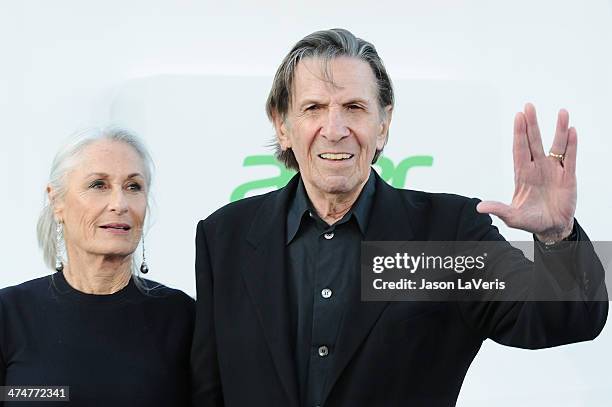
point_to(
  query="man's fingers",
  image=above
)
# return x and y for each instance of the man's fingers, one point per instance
(520, 146)
(533, 133)
(499, 209)
(561, 133)
(570, 152)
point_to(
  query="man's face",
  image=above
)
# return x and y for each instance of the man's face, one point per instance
(334, 129)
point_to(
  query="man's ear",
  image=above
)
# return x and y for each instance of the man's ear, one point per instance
(282, 134)
(381, 140)
(56, 204)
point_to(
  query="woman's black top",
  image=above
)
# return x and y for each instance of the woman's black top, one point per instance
(129, 348)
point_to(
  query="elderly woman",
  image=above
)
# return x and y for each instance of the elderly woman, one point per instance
(114, 338)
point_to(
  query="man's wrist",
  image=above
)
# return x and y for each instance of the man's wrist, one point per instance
(568, 234)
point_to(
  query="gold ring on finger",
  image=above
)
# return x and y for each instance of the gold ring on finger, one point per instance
(559, 157)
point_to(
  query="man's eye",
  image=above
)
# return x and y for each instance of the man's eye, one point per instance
(354, 107)
(312, 108)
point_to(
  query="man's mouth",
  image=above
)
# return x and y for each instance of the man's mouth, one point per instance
(336, 156)
(118, 226)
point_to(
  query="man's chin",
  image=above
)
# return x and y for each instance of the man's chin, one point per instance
(337, 185)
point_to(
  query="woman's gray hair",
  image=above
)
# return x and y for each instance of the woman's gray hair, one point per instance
(64, 161)
(326, 45)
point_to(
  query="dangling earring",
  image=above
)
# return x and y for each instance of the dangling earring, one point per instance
(144, 269)
(59, 241)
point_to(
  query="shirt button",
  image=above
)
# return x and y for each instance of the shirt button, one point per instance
(326, 293)
(323, 351)
(329, 235)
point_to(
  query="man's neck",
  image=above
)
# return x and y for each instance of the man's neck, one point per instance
(331, 207)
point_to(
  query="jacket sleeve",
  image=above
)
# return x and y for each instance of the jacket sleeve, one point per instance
(205, 380)
(2, 346)
(534, 324)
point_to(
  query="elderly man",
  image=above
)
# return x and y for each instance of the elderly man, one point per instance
(279, 316)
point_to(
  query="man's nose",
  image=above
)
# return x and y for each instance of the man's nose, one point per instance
(335, 127)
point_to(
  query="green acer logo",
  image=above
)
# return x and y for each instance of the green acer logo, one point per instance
(391, 173)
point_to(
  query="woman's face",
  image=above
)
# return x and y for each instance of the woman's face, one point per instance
(105, 203)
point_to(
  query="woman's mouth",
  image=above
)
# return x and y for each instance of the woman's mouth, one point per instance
(117, 228)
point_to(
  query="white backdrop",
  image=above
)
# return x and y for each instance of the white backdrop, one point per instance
(192, 77)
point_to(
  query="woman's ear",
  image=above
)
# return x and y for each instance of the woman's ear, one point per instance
(56, 204)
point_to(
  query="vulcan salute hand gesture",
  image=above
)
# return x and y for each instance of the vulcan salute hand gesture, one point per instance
(544, 198)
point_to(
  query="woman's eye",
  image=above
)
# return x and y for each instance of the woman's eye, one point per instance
(134, 187)
(97, 185)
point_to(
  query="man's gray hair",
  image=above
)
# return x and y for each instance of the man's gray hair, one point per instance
(326, 45)
(65, 160)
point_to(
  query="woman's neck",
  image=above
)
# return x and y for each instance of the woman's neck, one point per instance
(95, 274)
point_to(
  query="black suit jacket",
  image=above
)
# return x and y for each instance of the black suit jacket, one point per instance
(388, 353)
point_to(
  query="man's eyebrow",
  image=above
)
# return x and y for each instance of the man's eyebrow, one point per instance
(315, 101)
(310, 101)
(357, 100)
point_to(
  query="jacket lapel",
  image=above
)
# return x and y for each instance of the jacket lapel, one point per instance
(266, 280)
(387, 222)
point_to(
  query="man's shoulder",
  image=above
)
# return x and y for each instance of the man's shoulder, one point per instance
(238, 211)
(436, 200)
(442, 216)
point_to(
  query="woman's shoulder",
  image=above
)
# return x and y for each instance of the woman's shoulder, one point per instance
(27, 289)
(157, 291)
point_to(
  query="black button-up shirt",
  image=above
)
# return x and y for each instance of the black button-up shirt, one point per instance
(323, 263)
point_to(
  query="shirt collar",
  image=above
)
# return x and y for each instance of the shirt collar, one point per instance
(301, 205)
